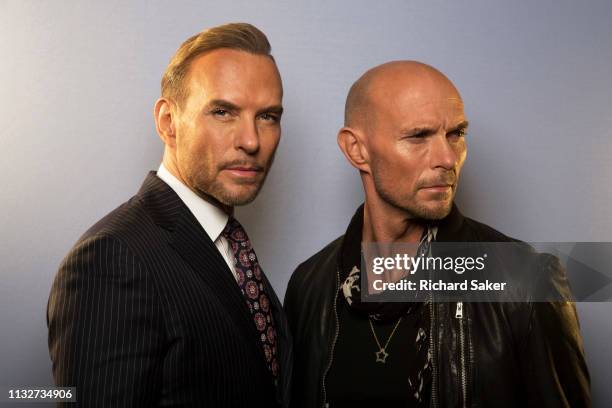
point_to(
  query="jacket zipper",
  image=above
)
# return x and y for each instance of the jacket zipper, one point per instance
(434, 369)
(459, 315)
(337, 333)
(433, 334)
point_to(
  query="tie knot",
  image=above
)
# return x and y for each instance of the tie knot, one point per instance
(234, 232)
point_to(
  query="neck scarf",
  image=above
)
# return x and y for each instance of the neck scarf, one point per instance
(419, 379)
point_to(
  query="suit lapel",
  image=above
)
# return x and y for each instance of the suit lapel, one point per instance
(190, 241)
(193, 244)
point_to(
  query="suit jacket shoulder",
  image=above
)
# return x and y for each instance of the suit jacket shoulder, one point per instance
(105, 318)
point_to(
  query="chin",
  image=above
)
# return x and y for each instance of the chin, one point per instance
(236, 197)
(434, 212)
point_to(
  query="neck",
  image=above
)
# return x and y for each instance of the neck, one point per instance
(170, 165)
(383, 222)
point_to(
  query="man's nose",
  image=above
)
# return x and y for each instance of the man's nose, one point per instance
(442, 153)
(247, 137)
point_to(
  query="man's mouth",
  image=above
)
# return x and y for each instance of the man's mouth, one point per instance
(438, 188)
(244, 171)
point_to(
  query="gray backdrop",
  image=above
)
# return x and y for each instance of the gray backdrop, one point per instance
(78, 81)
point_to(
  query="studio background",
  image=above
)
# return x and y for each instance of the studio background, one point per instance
(78, 81)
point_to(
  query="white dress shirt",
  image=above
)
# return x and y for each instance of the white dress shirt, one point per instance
(211, 218)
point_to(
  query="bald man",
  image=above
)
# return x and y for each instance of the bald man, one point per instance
(404, 132)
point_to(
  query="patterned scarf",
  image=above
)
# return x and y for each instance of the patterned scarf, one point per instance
(419, 379)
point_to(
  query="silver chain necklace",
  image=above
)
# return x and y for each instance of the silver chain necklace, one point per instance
(381, 354)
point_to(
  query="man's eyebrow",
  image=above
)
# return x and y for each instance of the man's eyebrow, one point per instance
(418, 129)
(430, 130)
(461, 126)
(277, 109)
(221, 103)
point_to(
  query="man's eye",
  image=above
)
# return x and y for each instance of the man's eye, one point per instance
(419, 135)
(220, 112)
(269, 117)
(458, 133)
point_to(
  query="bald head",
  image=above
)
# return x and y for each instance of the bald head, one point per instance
(404, 131)
(382, 82)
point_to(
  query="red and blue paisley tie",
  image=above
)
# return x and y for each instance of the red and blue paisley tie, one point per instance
(250, 280)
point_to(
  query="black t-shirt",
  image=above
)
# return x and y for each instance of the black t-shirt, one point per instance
(355, 379)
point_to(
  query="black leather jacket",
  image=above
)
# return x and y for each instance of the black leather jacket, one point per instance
(493, 355)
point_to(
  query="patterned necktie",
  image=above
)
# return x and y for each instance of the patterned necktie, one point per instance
(250, 281)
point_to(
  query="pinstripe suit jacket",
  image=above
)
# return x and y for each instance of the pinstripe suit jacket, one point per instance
(144, 312)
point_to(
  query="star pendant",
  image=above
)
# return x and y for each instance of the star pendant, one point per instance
(381, 356)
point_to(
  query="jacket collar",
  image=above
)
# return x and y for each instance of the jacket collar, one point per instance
(188, 238)
(193, 244)
(449, 230)
(350, 249)
(211, 217)
(160, 201)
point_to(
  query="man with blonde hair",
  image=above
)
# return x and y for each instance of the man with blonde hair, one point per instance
(163, 301)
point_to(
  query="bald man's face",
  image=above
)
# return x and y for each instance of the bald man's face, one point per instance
(416, 143)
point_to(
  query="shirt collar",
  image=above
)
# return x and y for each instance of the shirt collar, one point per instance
(211, 218)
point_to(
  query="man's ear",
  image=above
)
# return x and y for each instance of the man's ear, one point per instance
(351, 142)
(165, 121)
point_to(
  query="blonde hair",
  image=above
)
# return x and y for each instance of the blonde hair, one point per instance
(236, 36)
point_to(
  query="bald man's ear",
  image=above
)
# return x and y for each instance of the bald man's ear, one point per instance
(165, 121)
(351, 142)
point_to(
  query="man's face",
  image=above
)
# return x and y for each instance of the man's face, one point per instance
(229, 127)
(416, 145)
